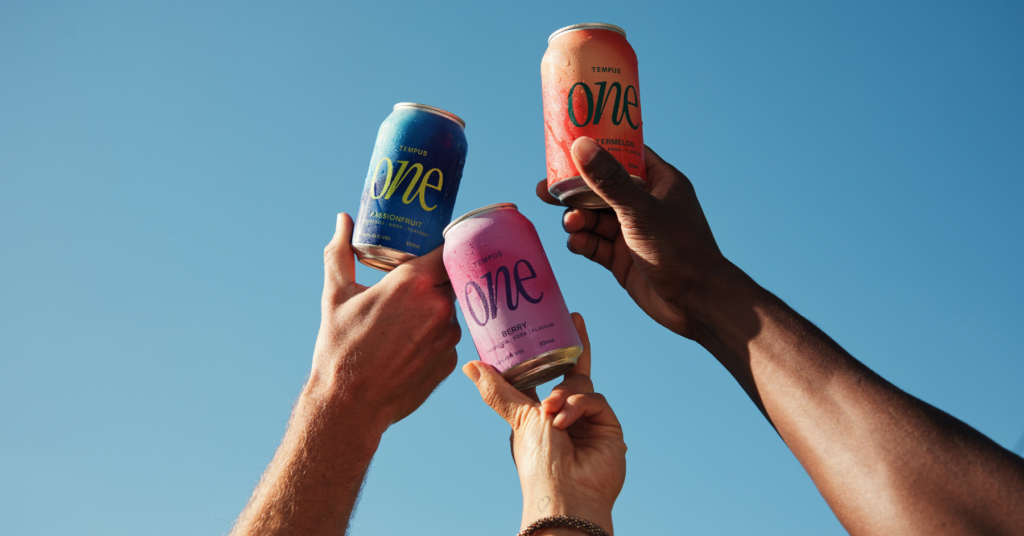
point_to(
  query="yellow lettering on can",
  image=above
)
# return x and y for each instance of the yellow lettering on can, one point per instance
(426, 184)
(402, 174)
(387, 180)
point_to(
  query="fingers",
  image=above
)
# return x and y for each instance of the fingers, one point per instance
(577, 380)
(600, 222)
(497, 393)
(339, 263)
(545, 195)
(583, 363)
(579, 384)
(652, 159)
(430, 265)
(592, 234)
(592, 407)
(606, 176)
(592, 247)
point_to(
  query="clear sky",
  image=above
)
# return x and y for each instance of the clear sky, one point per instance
(170, 172)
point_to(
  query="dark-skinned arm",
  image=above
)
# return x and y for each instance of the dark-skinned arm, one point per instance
(886, 462)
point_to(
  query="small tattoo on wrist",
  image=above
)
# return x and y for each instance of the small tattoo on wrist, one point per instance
(543, 503)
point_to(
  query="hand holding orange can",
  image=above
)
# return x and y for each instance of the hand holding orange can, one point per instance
(591, 88)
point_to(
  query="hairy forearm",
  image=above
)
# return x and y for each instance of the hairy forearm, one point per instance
(311, 485)
(885, 461)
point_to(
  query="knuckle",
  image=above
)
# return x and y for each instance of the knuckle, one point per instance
(438, 310)
(330, 252)
(621, 178)
(417, 282)
(612, 175)
(576, 399)
(607, 167)
(446, 308)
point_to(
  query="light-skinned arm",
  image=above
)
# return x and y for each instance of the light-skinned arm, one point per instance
(886, 462)
(568, 449)
(380, 352)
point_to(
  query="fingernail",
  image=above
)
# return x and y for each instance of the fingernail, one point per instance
(584, 149)
(471, 372)
(568, 243)
(337, 224)
(564, 216)
(559, 419)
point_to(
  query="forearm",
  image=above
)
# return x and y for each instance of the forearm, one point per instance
(885, 461)
(311, 485)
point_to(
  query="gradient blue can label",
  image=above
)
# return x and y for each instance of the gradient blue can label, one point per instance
(411, 184)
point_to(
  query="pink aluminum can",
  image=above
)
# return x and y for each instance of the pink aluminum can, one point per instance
(508, 294)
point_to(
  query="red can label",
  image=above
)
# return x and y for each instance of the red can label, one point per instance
(591, 88)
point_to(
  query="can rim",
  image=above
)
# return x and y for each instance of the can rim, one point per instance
(475, 213)
(587, 26)
(431, 109)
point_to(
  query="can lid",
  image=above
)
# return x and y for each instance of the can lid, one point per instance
(587, 26)
(431, 109)
(475, 213)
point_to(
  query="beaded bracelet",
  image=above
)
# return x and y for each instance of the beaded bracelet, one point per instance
(563, 521)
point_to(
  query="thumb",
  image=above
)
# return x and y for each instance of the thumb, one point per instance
(497, 393)
(606, 177)
(339, 264)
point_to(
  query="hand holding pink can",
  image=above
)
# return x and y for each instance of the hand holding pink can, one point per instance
(509, 296)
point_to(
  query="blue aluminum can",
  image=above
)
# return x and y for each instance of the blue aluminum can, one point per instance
(410, 187)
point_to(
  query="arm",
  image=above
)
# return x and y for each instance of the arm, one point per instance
(568, 449)
(885, 462)
(380, 352)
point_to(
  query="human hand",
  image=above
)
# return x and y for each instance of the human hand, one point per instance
(380, 352)
(657, 243)
(568, 449)
(383, 348)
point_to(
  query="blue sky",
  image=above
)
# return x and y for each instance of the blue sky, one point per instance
(169, 175)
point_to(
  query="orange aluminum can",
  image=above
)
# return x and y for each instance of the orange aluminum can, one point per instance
(591, 88)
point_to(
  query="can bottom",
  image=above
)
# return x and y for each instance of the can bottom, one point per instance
(543, 368)
(379, 257)
(574, 192)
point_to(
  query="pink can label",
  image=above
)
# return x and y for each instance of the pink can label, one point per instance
(506, 289)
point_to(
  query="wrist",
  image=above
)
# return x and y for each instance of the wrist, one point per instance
(336, 412)
(539, 504)
(714, 304)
